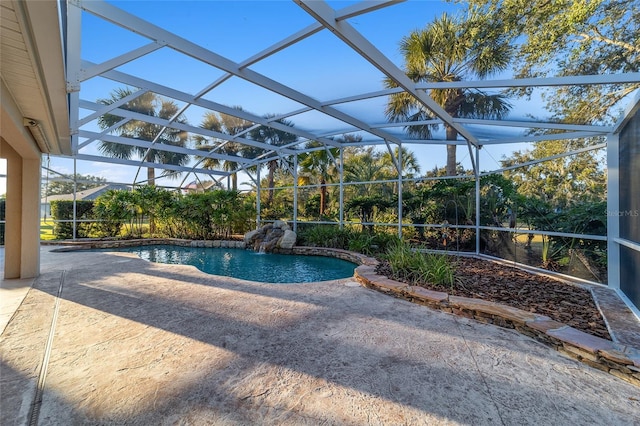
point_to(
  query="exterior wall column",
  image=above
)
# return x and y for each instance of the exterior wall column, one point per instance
(13, 213)
(30, 250)
(22, 230)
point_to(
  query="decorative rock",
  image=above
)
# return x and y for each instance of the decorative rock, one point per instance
(288, 240)
(426, 295)
(507, 312)
(580, 339)
(250, 235)
(616, 356)
(280, 224)
(544, 324)
(271, 237)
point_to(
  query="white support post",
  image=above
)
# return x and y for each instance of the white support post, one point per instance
(613, 207)
(73, 65)
(400, 171)
(295, 193)
(258, 198)
(341, 169)
(477, 173)
(75, 207)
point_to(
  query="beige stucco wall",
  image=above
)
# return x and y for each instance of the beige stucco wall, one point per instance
(22, 229)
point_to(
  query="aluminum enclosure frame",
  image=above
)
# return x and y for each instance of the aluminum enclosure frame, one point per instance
(81, 71)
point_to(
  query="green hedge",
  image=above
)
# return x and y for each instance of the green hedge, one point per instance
(63, 210)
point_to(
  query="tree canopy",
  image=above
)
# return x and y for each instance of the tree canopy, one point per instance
(223, 123)
(149, 104)
(60, 187)
(276, 138)
(451, 48)
(571, 37)
(561, 181)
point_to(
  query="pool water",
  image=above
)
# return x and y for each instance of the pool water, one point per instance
(247, 264)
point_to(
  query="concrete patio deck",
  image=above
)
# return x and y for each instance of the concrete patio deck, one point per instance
(111, 339)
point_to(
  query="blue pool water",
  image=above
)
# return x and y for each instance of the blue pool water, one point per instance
(247, 264)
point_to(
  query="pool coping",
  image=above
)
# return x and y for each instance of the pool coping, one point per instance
(619, 360)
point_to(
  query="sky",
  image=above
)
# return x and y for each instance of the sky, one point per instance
(320, 66)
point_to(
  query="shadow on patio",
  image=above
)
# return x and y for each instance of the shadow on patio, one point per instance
(141, 343)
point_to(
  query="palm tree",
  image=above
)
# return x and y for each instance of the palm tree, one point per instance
(366, 165)
(230, 125)
(410, 166)
(319, 164)
(450, 49)
(276, 138)
(152, 105)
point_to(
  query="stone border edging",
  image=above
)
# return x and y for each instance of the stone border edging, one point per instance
(616, 359)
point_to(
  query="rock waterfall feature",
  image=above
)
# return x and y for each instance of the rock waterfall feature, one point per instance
(271, 237)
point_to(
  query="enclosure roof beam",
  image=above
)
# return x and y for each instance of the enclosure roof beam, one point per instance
(347, 12)
(549, 158)
(136, 163)
(324, 14)
(180, 126)
(545, 137)
(139, 143)
(97, 69)
(536, 125)
(153, 32)
(345, 32)
(204, 103)
(573, 80)
(624, 78)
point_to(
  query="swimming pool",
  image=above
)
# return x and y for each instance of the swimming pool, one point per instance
(247, 264)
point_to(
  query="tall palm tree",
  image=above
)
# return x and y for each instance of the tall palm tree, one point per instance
(148, 104)
(230, 125)
(276, 138)
(319, 164)
(450, 49)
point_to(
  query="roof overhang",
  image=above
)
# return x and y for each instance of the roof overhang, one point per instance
(34, 95)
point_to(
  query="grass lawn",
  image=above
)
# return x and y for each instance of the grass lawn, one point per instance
(46, 230)
(522, 238)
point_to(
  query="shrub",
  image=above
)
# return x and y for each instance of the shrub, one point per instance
(330, 236)
(108, 208)
(372, 244)
(207, 215)
(63, 211)
(414, 267)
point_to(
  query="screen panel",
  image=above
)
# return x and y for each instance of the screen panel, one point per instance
(629, 212)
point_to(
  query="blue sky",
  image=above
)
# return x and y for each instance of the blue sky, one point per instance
(320, 66)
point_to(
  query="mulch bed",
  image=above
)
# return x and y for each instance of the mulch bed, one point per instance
(483, 279)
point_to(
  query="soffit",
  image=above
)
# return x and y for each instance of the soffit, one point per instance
(32, 67)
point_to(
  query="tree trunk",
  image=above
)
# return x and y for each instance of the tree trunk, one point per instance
(452, 135)
(151, 176)
(234, 181)
(323, 196)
